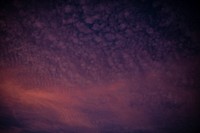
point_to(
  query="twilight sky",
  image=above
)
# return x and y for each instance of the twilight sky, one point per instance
(99, 66)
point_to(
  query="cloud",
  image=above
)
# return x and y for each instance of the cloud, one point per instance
(97, 67)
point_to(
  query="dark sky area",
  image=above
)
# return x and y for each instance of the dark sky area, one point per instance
(99, 66)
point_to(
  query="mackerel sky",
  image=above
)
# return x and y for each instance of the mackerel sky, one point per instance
(99, 66)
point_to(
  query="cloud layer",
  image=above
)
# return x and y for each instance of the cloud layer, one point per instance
(90, 66)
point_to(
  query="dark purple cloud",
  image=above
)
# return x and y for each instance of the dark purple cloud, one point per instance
(98, 66)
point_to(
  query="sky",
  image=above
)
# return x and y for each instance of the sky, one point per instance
(96, 66)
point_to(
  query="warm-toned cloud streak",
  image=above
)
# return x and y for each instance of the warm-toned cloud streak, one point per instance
(51, 104)
(132, 102)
